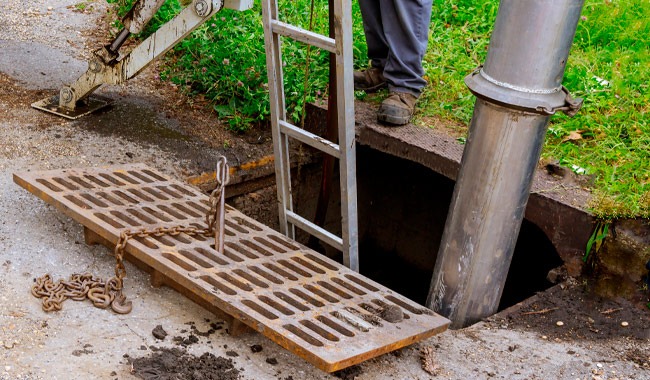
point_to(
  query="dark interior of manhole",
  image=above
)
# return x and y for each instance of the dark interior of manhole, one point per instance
(402, 212)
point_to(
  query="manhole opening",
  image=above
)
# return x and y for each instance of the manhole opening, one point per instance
(402, 212)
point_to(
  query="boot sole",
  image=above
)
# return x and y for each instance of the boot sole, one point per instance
(371, 89)
(393, 120)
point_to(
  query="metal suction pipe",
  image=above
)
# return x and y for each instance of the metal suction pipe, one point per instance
(517, 90)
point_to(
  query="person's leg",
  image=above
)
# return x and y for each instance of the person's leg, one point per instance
(374, 31)
(372, 78)
(406, 29)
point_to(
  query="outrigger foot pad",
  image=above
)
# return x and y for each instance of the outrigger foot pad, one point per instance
(88, 105)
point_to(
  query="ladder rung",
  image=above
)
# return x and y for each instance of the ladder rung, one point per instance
(303, 35)
(310, 139)
(314, 230)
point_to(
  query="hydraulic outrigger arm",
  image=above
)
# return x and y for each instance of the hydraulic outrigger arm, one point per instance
(106, 66)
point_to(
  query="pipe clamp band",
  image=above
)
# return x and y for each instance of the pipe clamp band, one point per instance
(542, 101)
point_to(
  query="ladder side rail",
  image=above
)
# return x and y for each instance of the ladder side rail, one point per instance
(278, 112)
(347, 161)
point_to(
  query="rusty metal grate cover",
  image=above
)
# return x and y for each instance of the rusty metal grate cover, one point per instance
(303, 301)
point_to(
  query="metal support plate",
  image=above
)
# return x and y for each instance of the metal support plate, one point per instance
(89, 105)
(308, 304)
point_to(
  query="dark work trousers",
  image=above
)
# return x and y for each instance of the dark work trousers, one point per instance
(397, 34)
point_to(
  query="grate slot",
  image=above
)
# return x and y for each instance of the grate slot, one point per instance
(283, 242)
(140, 176)
(259, 309)
(111, 179)
(256, 247)
(241, 250)
(280, 271)
(217, 285)
(65, 183)
(334, 326)
(308, 265)
(126, 197)
(246, 223)
(291, 301)
(294, 268)
(348, 286)
(156, 176)
(49, 185)
(306, 297)
(94, 200)
(359, 281)
(96, 180)
(236, 227)
(194, 258)
(275, 305)
(303, 335)
(157, 214)
(324, 295)
(319, 330)
(77, 201)
(321, 262)
(170, 192)
(81, 182)
(164, 241)
(200, 208)
(172, 212)
(233, 281)
(110, 198)
(269, 244)
(124, 218)
(304, 301)
(186, 210)
(178, 261)
(250, 278)
(108, 220)
(126, 178)
(210, 255)
(147, 242)
(140, 216)
(334, 289)
(266, 275)
(155, 193)
(140, 196)
(182, 238)
(404, 305)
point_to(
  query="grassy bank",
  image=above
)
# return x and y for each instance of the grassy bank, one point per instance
(609, 67)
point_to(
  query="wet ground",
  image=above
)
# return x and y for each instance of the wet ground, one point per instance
(151, 123)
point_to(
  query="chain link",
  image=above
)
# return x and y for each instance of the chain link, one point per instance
(104, 293)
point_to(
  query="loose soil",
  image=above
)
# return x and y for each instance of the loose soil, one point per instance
(583, 315)
(173, 364)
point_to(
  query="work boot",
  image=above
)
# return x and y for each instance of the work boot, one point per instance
(369, 80)
(397, 108)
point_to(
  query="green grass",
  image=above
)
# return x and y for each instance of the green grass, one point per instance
(609, 67)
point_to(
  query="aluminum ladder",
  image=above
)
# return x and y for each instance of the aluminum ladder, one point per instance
(341, 46)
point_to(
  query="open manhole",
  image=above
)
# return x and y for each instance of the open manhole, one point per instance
(308, 304)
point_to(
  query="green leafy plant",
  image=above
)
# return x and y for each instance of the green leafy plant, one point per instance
(596, 239)
(609, 66)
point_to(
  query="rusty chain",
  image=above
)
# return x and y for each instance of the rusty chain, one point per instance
(104, 293)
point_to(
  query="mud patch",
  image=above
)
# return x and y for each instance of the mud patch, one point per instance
(171, 364)
(582, 316)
